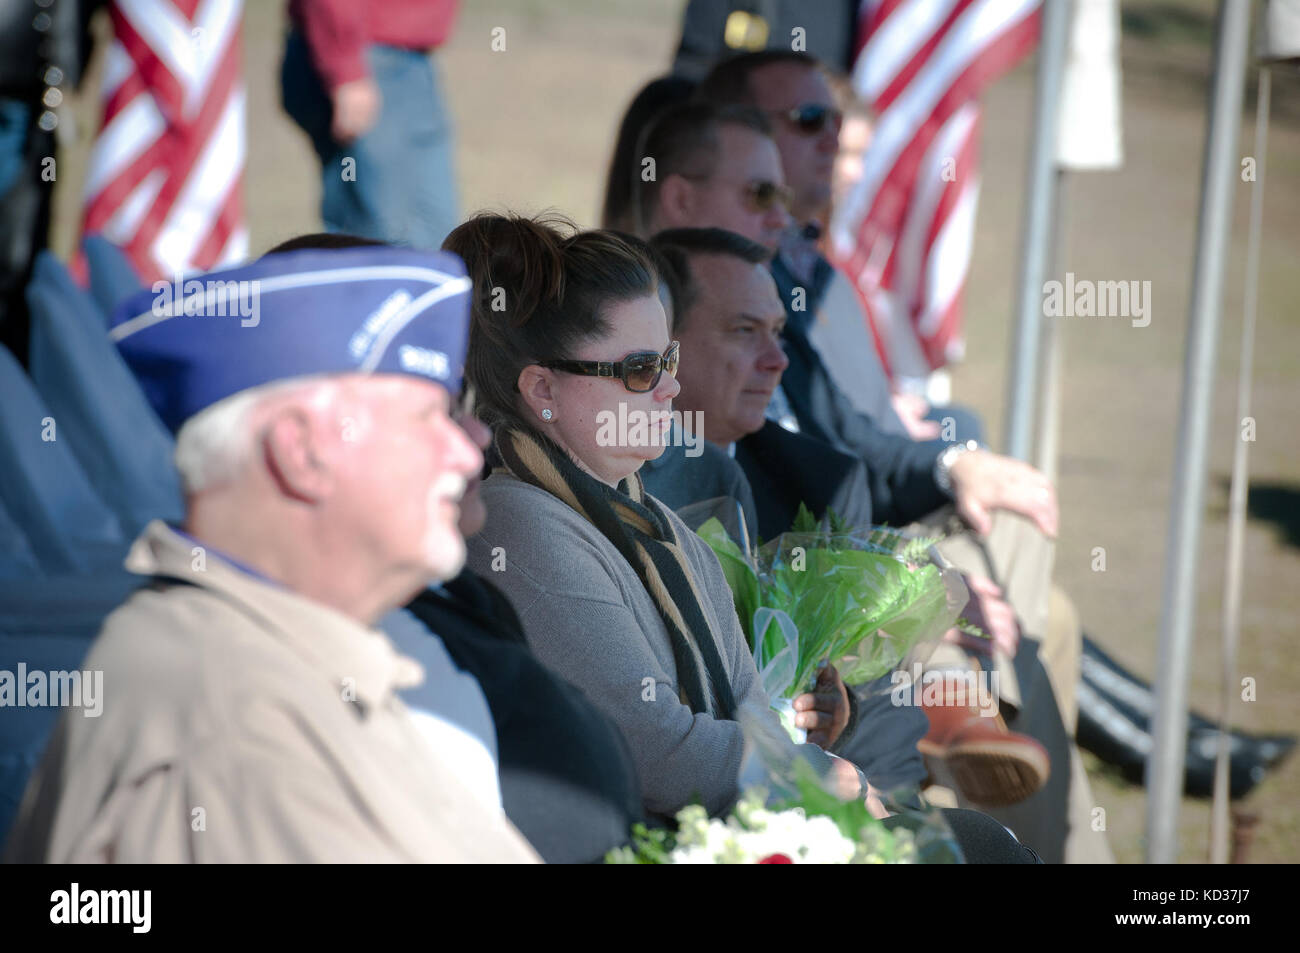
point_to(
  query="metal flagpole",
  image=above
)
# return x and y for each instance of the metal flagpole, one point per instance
(1164, 774)
(1048, 428)
(1240, 483)
(1040, 204)
(1089, 139)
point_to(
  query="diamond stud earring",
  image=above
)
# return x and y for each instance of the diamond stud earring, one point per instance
(546, 414)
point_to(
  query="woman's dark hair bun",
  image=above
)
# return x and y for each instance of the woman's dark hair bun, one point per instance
(514, 257)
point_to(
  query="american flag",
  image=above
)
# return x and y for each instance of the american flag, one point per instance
(165, 170)
(904, 234)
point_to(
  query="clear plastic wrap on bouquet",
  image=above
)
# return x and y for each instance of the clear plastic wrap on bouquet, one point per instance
(853, 602)
(864, 601)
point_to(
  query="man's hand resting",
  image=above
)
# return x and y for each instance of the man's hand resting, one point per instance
(846, 782)
(983, 482)
(991, 612)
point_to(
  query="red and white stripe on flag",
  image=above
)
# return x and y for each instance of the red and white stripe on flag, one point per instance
(165, 171)
(904, 234)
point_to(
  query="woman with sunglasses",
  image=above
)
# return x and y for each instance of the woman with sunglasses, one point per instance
(613, 591)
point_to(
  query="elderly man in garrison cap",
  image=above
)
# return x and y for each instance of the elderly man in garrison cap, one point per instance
(250, 708)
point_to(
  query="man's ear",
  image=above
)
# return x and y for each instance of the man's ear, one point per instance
(677, 201)
(535, 387)
(295, 455)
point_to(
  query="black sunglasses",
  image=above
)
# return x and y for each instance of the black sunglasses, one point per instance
(812, 118)
(640, 370)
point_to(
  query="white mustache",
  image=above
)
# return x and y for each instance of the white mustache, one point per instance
(449, 486)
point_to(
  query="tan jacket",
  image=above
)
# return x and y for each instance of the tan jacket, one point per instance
(242, 722)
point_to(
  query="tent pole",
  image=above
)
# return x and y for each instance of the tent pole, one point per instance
(1165, 765)
(1048, 442)
(1040, 203)
(1240, 482)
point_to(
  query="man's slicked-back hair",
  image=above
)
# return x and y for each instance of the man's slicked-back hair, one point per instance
(674, 281)
(676, 247)
(683, 140)
(728, 81)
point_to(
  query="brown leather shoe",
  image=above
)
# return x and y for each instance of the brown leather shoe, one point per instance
(989, 764)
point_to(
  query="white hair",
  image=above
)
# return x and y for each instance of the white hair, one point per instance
(217, 442)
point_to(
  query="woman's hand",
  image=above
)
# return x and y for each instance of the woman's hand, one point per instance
(824, 712)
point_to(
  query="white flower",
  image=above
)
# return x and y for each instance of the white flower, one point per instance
(753, 833)
(692, 825)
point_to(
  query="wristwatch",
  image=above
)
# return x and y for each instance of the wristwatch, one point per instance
(943, 464)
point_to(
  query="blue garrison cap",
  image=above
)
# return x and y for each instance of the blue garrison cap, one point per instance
(194, 341)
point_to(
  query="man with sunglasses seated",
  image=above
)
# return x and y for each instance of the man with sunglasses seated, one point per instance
(711, 163)
(698, 166)
(792, 90)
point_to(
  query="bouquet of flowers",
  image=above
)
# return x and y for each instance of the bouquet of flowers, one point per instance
(817, 828)
(861, 601)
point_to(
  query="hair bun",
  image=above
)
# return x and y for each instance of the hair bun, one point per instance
(516, 263)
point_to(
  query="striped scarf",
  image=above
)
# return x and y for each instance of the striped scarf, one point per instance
(635, 523)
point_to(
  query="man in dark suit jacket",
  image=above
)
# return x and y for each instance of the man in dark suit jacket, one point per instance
(729, 322)
(826, 479)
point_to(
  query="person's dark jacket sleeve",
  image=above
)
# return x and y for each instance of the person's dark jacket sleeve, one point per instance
(900, 470)
(786, 469)
(568, 782)
(881, 738)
